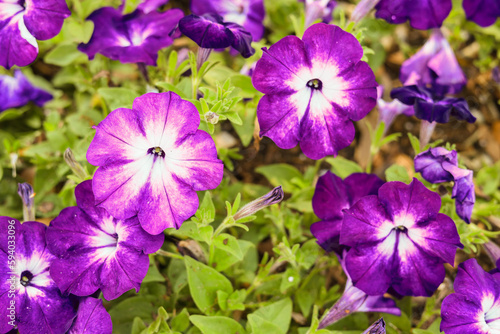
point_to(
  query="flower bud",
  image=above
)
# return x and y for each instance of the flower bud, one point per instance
(273, 197)
(75, 166)
(25, 191)
(378, 327)
(211, 117)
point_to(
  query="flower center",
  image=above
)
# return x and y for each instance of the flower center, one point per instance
(157, 151)
(26, 278)
(401, 228)
(315, 84)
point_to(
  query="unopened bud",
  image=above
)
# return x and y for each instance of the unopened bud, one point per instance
(362, 9)
(25, 191)
(13, 161)
(75, 166)
(211, 117)
(492, 250)
(273, 197)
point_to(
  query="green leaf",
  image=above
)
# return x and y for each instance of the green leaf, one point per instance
(415, 143)
(224, 259)
(181, 321)
(153, 274)
(280, 174)
(276, 315)
(64, 55)
(217, 325)
(204, 282)
(244, 83)
(229, 244)
(117, 97)
(397, 173)
(343, 167)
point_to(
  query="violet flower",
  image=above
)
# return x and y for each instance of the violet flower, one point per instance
(275, 196)
(91, 317)
(378, 327)
(483, 12)
(435, 64)
(17, 91)
(354, 300)
(153, 154)
(475, 305)
(493, 252)
(210, 32)
(388, 111)
(495, 74)
(432, 108)
(318, 9)
(399, 240)
(422, 14)
(132, 38)
(29, 298)
(22, 22)
(331, 197)
(97, 251)
(439, 165)
(314, 90)
(247, 13)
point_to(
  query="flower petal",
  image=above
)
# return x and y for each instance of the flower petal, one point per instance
(330, 197)
(19, 46)
(44, 18)
(91, 318)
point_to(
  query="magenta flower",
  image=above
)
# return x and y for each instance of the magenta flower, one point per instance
(96, 251)
(29, 297)
(132, 38)
(22, 22)
(354, 300)
(152, 161)
(331, 197)
(17, 91)
(91, 317)
(435, 64)
(314, 90)
(399, 240)
(422, 14)
(483, 12)
(247, 13)
(475, 305)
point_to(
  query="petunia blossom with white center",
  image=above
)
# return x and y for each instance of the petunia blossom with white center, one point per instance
(152, 161)
(475, 305)
(22, 22)
(399, 240)
(314, 89)
(29, 297)
(96, 251)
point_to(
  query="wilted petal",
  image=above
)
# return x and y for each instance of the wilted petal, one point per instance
(378, 327)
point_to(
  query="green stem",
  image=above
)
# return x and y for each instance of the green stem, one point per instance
(169, 254)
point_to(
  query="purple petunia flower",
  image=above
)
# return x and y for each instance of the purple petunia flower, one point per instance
(436, 164)
(314, 90)
(17, 91)
(152, 161)
(96, 251)
(434, 64)
(92, 317)
(318, 9)
(388, 111)
(247, 13)
(495, 74)
(22, 22)
(29, 298)
(209, 31)
(475, 305)
(422, 14)
(132, 38)
(440, 165)
(431, 107)
(331, 197)
(483, 12)
(399, 240)
(378, 327)
(355, 300)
